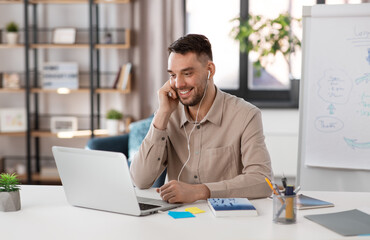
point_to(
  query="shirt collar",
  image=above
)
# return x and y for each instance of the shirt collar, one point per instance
(214, 114)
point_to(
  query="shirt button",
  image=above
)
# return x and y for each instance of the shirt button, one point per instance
(159, 159)
(198, 127)
(195, 176)
(163, 138)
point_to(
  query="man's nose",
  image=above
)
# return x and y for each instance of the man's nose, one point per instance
(179, 82)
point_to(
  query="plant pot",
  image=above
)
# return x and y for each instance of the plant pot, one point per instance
(12, 37)
(10, 201)
(113, 126)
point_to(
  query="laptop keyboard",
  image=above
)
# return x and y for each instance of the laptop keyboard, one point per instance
(145, 206)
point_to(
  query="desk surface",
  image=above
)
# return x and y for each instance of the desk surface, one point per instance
(45, 214)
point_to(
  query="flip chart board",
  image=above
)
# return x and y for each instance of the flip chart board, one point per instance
(334, 148)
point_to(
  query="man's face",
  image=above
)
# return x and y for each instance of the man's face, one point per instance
(188, 77)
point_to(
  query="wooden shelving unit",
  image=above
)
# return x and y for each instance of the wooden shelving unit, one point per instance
(33, 78)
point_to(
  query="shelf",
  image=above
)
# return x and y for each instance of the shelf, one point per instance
(5, 45)
(50, 45)
(58, 1)
(41, 90)
(10, 2)
(112, 1)
(40, 178)
(64, 1)
(111, 90)
(113, 46)
(8, 90)
(74, 134)
(13, 134)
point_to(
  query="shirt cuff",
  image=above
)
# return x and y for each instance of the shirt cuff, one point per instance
(155, 135)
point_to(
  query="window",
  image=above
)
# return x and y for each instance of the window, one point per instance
(234, 70)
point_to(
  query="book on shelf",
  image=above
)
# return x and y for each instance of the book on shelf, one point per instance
(124, 76)
(224, 207)
(305, 202)
(117, 78)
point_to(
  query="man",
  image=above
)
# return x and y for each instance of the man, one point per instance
(212, 143)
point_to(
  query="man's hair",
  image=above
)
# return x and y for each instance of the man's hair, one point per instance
(195, 43)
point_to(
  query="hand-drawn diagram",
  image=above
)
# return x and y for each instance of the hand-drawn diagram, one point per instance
(334, 88)
(328, 124)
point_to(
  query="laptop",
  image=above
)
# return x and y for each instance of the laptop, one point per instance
(101, 180)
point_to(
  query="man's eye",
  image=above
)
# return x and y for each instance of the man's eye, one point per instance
(172, 75)
(187, 74)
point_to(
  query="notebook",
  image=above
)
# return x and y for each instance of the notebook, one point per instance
(347, 223)
(305, 202)
(223, 207)
(101, 180)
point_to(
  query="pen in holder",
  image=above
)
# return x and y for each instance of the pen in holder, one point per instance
(284, 207)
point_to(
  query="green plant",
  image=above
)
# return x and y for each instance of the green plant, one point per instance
(12, 27)
(267, 37)
(114, 114)
(9, 183)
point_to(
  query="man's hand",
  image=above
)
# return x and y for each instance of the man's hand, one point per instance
(179, 192)
(168, 102)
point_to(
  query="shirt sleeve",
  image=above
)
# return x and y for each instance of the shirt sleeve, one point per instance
(150, 161)
(256, 164)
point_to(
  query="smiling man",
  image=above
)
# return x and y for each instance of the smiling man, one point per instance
(211, 142)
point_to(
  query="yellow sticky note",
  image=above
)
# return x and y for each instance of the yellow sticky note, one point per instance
(194, 210)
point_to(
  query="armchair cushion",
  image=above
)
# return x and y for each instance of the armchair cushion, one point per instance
(138, 131)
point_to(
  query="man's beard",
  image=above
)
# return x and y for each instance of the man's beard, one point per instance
(196, 99)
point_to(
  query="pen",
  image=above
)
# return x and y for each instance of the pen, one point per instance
(297, 189)
(284, 181)
(273, 189)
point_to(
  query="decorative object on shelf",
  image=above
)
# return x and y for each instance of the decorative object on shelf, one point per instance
(108, 38)
(9, 193)
(266, 37)
(65, 35)
(11, 81)
(12, 32)
(63, 124)
(60, 75)
(13, 120)
(113, 121)
(123, 77)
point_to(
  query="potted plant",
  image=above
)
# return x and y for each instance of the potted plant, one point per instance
(9, 193)
(12, 33)
(114, 118)
(265, 38)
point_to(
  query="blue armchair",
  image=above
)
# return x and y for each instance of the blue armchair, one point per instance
(127, 144)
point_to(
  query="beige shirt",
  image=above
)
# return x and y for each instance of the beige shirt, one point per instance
(227, 150)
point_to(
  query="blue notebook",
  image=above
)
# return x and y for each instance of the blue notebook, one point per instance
(305, 202)
(223, 207)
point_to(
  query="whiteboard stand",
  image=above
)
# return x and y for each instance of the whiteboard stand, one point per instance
(332, 34)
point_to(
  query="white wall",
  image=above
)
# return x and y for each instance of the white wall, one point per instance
(281, 127)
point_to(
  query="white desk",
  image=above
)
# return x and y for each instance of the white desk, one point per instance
(45, 214)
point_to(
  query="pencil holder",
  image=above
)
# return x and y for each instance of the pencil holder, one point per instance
(284, 209)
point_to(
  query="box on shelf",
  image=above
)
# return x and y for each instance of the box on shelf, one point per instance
(60, 75)
(13, 120)
(63, 124)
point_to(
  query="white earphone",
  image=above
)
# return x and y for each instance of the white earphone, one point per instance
(196, 124)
